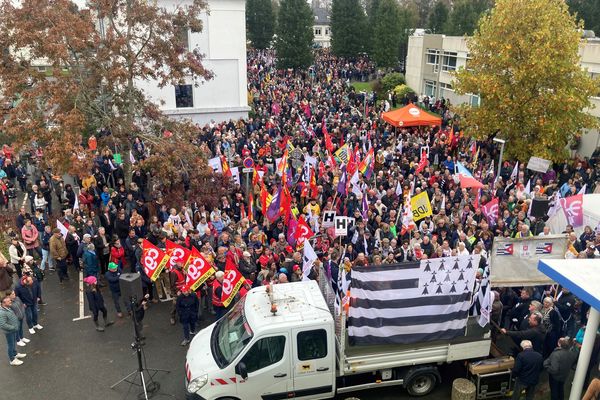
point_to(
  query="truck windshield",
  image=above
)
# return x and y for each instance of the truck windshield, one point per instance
(231, 334)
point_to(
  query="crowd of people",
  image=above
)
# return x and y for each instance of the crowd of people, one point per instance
(298, 116)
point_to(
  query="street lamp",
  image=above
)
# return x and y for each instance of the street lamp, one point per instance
(502, 142)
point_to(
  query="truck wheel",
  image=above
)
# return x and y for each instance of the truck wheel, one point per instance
(421, 385)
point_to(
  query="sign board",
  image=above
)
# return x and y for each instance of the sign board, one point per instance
(247, 170)
(539, 164)
(341, 226)
(118, 159)
(328, 219)
(248, 163)
(514, 262)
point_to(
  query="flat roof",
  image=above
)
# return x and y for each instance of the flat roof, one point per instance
(580, 276)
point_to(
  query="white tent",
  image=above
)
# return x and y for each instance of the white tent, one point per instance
(582, 278)
(591, 215)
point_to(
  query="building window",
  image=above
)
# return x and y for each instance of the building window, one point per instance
(318, 31)
(326, 31)
(433, 56)
(449, 61)
(183, 36)
(41, 68)
(446, 86)
(430, 88)
(474, 101)
(184, 96)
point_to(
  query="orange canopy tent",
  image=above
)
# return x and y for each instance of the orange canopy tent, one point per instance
(410, 115)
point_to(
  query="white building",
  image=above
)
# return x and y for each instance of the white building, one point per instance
(322, 28)
(431, 59)
(223, 42)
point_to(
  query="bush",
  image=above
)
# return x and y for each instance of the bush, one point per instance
(390, 81)
(403, 90)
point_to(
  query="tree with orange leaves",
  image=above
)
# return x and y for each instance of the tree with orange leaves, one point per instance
(95, 57)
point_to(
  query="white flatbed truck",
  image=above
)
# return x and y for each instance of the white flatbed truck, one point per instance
(285, 343)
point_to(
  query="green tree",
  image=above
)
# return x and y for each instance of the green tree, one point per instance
(294, 34)
(260, 22)
(438, 17)
(348, 22)
(589, 11)
(465, 15)
(371, 7)
(387, 34)
(533, 91)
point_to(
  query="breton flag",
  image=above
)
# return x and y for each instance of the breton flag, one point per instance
(411, 302)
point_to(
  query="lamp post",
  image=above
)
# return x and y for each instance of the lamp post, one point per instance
(502, 142)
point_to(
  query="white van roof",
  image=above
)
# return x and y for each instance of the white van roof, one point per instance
(298, 303)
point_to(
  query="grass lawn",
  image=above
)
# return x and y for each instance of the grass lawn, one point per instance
(363, 86)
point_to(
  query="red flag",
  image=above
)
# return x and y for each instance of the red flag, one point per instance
(153, 260)
(422, 163)
(286, 204)
(352, 162)
(303, 232)
(177, 254)
(251, 208)
(255, 177)
(225, 167)
(199, 270)
(264, 197)
(573, 208)
(328, 142)
(232, 281)
(314, 189)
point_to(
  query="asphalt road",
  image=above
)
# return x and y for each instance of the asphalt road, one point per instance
(71, 360)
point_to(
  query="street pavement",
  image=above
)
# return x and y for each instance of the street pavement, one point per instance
(71, 360)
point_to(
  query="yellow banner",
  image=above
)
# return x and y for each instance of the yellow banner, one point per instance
(421, 206)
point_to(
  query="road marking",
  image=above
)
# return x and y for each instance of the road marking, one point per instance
(81, 301)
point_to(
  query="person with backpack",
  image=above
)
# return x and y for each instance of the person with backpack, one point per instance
(96, 302)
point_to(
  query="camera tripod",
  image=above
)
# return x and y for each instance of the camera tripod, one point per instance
(149, 385)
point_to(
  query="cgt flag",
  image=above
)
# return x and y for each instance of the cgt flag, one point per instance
(490, 210)
(232, 281)
(154, 260)
(198, 271)
(421, 206)
(177, 254)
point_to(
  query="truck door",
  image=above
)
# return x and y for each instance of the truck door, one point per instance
(267, 363)
(313, 363)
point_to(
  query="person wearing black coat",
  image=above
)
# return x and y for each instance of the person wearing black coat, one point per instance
(96, 302)
(187, 308)
(565, 303)
(29, 291)
(559, 366)
(521, 309)
(528, 365)
(112, 277)
(535, 333)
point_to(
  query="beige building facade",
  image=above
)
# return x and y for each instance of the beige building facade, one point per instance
(431, 59)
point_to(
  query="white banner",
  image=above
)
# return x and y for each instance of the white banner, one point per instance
(235, 174)
(328, 219)
(514, 262)
(215, 164)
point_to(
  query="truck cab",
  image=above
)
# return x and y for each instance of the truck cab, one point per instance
(276, 343)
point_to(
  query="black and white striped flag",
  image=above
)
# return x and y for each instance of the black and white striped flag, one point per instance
(411, 302)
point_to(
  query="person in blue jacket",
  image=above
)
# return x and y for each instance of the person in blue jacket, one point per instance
(90, 261)
(187, 308)
(112, 277)
(28, 290)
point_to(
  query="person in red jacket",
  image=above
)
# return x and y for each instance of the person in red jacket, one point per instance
(86, 200)
(117, 254)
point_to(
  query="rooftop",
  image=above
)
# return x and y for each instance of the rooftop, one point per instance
(321, 16)
(296, 302)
